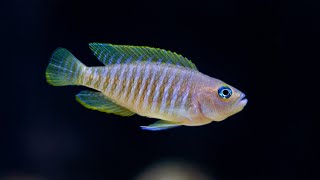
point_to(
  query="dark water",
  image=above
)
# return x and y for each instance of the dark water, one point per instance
(260, 47)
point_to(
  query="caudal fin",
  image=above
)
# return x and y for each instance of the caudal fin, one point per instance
(63, 69)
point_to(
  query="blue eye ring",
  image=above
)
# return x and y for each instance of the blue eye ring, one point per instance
(224, 92)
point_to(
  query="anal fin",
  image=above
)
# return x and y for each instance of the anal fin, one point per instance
(98, 101)
(160, 125)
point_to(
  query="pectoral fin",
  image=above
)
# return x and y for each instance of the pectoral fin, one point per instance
(160, 125)
(98, 101)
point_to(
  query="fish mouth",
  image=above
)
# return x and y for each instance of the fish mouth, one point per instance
(242, 100)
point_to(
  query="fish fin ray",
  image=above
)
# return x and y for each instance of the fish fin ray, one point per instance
(160, 125)
(63, 68)
(113, 54)
(98, 101)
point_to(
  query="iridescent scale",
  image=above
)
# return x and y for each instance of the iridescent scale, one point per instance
(143, 87)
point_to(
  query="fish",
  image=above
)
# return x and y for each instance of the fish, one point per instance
(146, 81)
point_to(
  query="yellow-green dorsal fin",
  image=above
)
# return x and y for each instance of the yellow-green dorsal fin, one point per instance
(160, 125)
(97, 101)
(115, 54)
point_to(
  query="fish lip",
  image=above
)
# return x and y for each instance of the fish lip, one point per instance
(242, 97)
(242, 100)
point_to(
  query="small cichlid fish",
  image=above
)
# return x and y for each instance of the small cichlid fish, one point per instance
(147, 81)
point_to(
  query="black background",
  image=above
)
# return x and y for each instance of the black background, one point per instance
(262, 47)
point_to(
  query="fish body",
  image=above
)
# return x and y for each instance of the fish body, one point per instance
(150, 89)
(146, 81)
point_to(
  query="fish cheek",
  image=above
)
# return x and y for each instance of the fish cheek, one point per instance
(222, 108)
(207, 106)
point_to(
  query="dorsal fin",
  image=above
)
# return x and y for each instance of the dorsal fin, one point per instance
(114, 54)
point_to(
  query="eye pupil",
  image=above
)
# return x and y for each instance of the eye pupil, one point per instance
(224, 92)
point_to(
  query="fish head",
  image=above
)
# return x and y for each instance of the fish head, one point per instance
(219, 100)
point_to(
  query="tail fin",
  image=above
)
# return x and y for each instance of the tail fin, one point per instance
(63, 69)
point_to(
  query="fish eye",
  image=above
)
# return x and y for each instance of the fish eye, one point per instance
(224, 92)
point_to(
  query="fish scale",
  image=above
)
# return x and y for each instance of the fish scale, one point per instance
(169, 92)
(153, 89)
(164, 99)
(167, 84)
(157, 91)
(139, 84)
(97, 78)
(119, 80)
(123, 81)
(135, 79)
(128, 84)
(127, 80)
(145, 83)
